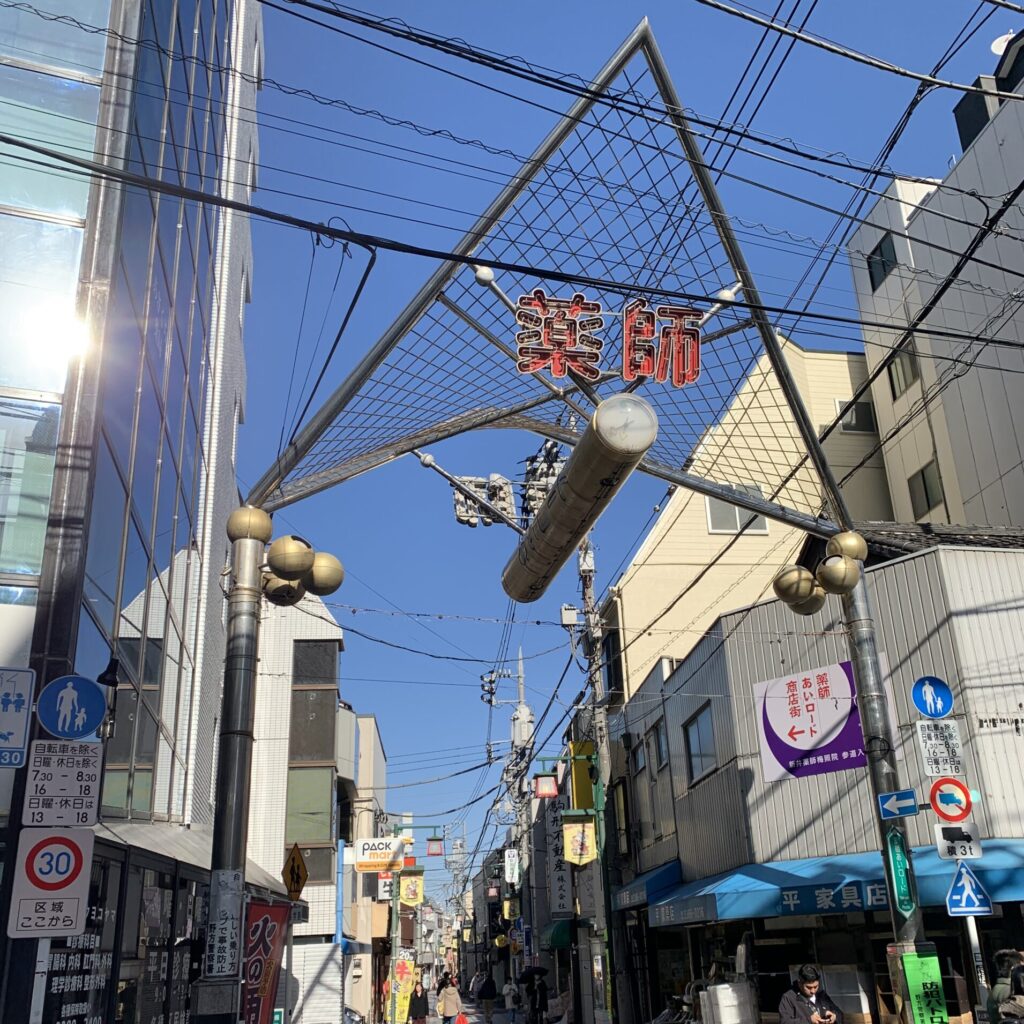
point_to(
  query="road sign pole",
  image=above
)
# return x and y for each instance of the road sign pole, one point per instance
(288, 973)
(981, 978)
(880, 750)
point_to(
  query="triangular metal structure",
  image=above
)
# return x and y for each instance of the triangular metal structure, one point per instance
(617, 192)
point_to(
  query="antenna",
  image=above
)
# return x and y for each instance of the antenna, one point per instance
(999, 45)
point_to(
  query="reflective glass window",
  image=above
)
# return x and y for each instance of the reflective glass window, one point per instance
(92, 648)
(312, 726)
(122, 353)
(28, 447)
(158, 322)
(150, 101)
(142, 791)
(106, 528)
(26, 36)
(133, 596)
(175, 400)
(115, 792)
(166, 505)
(137, 221)
(315, 663)
(54, 112)
(147, 449)
(310, 805)
(38, 280)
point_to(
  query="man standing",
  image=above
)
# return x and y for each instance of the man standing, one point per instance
(1007, 963)
(807, 1002)
(487, 993)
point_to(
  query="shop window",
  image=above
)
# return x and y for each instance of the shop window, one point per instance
(310, 805)
(726, 518)
(700, 744)
(315, 663)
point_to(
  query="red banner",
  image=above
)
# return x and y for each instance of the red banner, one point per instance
(266, 927)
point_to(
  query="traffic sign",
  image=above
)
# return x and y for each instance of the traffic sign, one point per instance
(50, 896)
(72, 707)
(950, 799)
(900, 804)
(295, 873)
(940, 747)
(17, 686)
(63, 784)
(932, 697)
(967, 896)
(961, 841)
(899, 864)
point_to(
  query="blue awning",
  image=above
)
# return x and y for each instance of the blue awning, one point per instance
(647, 887)
(832, 885)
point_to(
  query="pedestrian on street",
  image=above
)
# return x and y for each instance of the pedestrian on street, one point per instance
(1009, 965)
(487, 993)
(449, 1004)
(475, 982)
(807, 1002)
(537, 999)
(442, 982)
(419, 1005)
(513, 1000)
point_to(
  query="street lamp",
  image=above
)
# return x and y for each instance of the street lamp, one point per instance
(435, 846)
(545, 787)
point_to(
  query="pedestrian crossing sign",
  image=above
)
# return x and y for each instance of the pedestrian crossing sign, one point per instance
(967, 896)
(294, 873)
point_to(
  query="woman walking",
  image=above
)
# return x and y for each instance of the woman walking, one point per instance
(419, 1006)
(449, 1004)
(513, 1000)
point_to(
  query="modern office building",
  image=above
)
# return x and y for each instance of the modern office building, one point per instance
(954, 399)
(122, 382)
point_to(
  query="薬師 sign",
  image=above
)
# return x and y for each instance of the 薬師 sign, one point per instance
(950, 799)
(63, 784)
(50, 896)
(380, 854)
(560, 335)
(940, 747)
(809, 724)
(16, 688)
(960, 841)
(72, 707)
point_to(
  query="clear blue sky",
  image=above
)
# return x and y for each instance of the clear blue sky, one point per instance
(394, 528)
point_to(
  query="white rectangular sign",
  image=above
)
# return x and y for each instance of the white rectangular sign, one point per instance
(559, 876)
(940, 746)
(385, 887)
(961, 841)
(17, 686)
(380, 854)
(52, 873)
(63, 785)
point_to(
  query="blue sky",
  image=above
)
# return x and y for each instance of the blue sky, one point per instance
(393, 528)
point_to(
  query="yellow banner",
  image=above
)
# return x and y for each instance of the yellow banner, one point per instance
(405, 979)
(580, 842)
(410, 890)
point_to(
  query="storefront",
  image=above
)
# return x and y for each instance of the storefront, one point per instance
(143, 944)
(764, 920)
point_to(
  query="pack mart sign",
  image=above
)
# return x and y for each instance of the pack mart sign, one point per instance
(376, 855)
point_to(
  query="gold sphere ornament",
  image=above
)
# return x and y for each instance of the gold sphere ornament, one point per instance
(838, 574)
(283, 593)
(326, 575)
(249, 523)
(813, 604)
(794, 584)
(290, 557)
(851, 544)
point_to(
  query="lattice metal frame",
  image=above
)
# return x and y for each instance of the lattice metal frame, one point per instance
(741, 433)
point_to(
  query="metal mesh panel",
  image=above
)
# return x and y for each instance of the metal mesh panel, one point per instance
(616, 201)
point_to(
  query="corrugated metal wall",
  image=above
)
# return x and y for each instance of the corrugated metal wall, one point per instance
(975, 641)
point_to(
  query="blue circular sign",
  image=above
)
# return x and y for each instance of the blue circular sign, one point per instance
(932, 697)
(72, 708)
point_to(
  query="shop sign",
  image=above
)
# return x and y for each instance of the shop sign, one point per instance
(410, 890)
(579, 842)
(843, 898)
(380, 854)
(924, 983)
(385, 886)
(559, 878)
(266, 927)
(63, 784)
(809, 724)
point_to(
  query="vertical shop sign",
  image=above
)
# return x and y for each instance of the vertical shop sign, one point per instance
(266, 926)
(559, 878)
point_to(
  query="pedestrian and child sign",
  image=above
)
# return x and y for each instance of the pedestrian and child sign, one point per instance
(72, 707)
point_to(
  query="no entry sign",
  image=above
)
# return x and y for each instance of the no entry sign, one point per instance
(51, 883)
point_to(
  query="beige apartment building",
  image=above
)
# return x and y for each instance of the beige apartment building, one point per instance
(692, 567)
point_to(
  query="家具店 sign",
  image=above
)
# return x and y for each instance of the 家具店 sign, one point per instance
(560, 335)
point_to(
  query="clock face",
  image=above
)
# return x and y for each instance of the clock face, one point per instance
(627, 423)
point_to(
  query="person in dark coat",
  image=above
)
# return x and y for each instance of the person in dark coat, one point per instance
(807, 1002)
(487, 993)
(419, 1005)
(443, 982)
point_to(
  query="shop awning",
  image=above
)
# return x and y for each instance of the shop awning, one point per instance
(647, 887)
(832, 885)
(556, 935)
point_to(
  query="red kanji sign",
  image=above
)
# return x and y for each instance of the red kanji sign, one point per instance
(678, 348)
(559, 335)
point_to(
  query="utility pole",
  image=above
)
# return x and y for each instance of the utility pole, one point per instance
(599, 706)
(522, 752)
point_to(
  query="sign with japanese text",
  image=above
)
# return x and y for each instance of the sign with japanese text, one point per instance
(809, 723)
(561, 335)
(266, 927)
(405, 982)
(579, 842)
(559, 877)
(51, 883)
(924, 983)
(223, 944)
(16, 688)
(63, 783)
(410, 890)
(380, 854)
(941, 749)
(385, 886)
(845, 898)
(512, 866)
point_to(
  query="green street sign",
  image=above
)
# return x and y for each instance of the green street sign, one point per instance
(899, 862)
(924, 984)
(278, 1017)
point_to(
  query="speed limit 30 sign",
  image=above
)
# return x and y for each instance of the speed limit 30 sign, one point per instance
(51, 883)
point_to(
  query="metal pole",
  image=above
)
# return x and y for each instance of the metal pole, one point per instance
(395, 935)
(979, 961)
(288, 973)
(219, 990)
(879, 747)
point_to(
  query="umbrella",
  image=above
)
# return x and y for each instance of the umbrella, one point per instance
(531, 972)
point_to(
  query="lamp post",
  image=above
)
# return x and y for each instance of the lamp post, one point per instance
(284, 573)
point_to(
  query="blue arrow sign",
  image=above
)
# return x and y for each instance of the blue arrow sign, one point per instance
(932, 697)
(967, 896)
(901, 804)
(72, 707)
